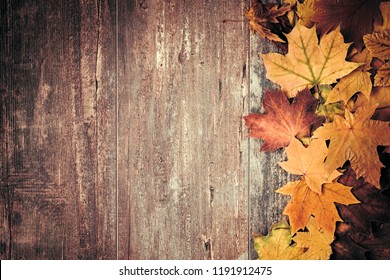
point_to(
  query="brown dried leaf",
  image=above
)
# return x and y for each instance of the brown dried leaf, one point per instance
(378, 44)
(382, 78)
(355, 17)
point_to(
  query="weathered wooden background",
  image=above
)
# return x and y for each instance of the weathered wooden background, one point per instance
(122, 133)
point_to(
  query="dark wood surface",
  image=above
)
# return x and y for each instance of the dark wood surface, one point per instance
(122, 134)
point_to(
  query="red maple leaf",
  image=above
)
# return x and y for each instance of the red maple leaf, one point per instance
(283, 121)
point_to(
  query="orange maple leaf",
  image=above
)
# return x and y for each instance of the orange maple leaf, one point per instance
(309, 162)
(305, 202)
(282, 120)
(355, 138)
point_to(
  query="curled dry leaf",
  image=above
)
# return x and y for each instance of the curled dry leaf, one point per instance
(359, 80)
(282, 121)
(308, 63)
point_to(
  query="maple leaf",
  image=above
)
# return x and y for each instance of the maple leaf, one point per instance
(373, 207)
(351, 236)
(377, 243)
(277, 244)
(282, 120)
(355, 138)
(304, 203)
(357, 81)
(308, 63)
(315, 242)
(355, 17)
(309, 162)
(343, 247)
(351, 245)
(382, 78)
(260, 18)
(366, 227)
(306, 11)
(378, 44)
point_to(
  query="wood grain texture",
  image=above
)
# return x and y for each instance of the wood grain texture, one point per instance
(122, 134)
(58, 165)
(180, 109)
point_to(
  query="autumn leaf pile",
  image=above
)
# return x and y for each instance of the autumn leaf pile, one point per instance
(329, 114)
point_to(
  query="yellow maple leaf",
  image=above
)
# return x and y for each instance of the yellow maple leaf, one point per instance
(304, 203)
(305, 12)
(355, 138)
(277, 244)
(357, 81)
(315, 242)
(309, 63)
(309, 162)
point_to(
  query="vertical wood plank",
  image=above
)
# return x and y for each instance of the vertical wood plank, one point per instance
(58, 130)
(181, 189)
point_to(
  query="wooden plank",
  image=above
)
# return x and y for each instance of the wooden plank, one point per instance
(58, 183)
(181, 81)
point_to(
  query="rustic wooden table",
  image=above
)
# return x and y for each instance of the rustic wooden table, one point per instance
(122, 133)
